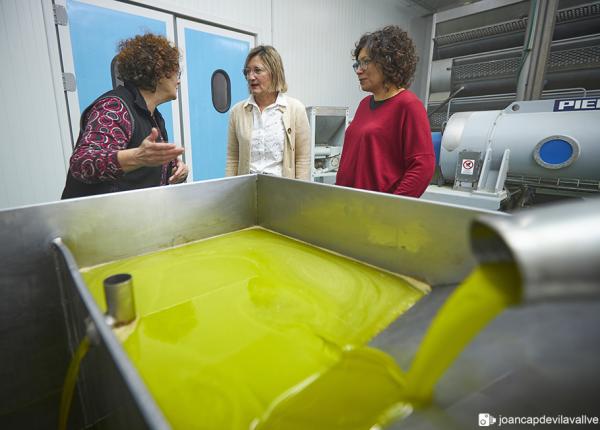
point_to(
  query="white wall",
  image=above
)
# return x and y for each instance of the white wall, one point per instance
(314, 37)
(32, 117)
(253, 16)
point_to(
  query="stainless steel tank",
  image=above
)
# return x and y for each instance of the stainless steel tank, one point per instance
(538, 359)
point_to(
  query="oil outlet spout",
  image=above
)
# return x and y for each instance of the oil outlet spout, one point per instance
(556, 248)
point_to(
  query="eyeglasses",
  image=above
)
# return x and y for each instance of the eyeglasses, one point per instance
(256, 70)
(362, 64)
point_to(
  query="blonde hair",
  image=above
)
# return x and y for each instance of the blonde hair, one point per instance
(272, 61)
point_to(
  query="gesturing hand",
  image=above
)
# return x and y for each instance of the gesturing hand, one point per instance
(149, 153)
(180, 173)
(153, 153)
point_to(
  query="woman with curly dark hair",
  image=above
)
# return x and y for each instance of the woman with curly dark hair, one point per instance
(122, 140)
(387, 146)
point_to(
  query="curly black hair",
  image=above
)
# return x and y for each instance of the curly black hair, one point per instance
(393, 51)
(145, 59)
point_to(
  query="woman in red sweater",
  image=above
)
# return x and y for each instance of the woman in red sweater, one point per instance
(387, 146)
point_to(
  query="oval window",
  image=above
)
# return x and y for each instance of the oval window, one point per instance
(556, 152)
(220, 85)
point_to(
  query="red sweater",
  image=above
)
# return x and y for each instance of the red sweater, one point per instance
(389, 148)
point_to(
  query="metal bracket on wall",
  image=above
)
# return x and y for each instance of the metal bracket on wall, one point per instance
(60, 15)
(69, 83)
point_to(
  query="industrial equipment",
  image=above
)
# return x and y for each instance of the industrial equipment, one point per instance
(482, 54)
(498, 151)
(328, 126)
(531, 239)
(550, 146)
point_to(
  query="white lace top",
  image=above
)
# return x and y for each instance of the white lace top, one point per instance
(268, 138)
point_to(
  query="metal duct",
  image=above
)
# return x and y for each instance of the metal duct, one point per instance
(575, 62)
(557, 227)
(570, 22)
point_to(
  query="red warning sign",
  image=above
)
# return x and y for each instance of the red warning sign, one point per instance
(467, 167)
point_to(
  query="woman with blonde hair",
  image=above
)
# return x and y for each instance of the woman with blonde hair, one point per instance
(269, 131)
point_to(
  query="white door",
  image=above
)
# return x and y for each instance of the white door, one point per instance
(211, 84)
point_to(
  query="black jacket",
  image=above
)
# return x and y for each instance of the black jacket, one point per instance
(142, 123)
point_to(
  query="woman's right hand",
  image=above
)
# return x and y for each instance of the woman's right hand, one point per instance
(149, 153)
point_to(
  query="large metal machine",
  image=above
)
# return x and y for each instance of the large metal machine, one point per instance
(533, 359)
(514, 89)
(550, 146)
(478, 57)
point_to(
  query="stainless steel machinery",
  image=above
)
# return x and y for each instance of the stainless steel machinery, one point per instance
(533, 360)
(328, 126)
(548, 145)
(478, 56)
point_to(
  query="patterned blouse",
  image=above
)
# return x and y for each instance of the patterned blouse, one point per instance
(108, 129)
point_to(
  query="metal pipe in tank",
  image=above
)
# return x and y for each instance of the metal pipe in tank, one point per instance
(120, 303)
(556, 248)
